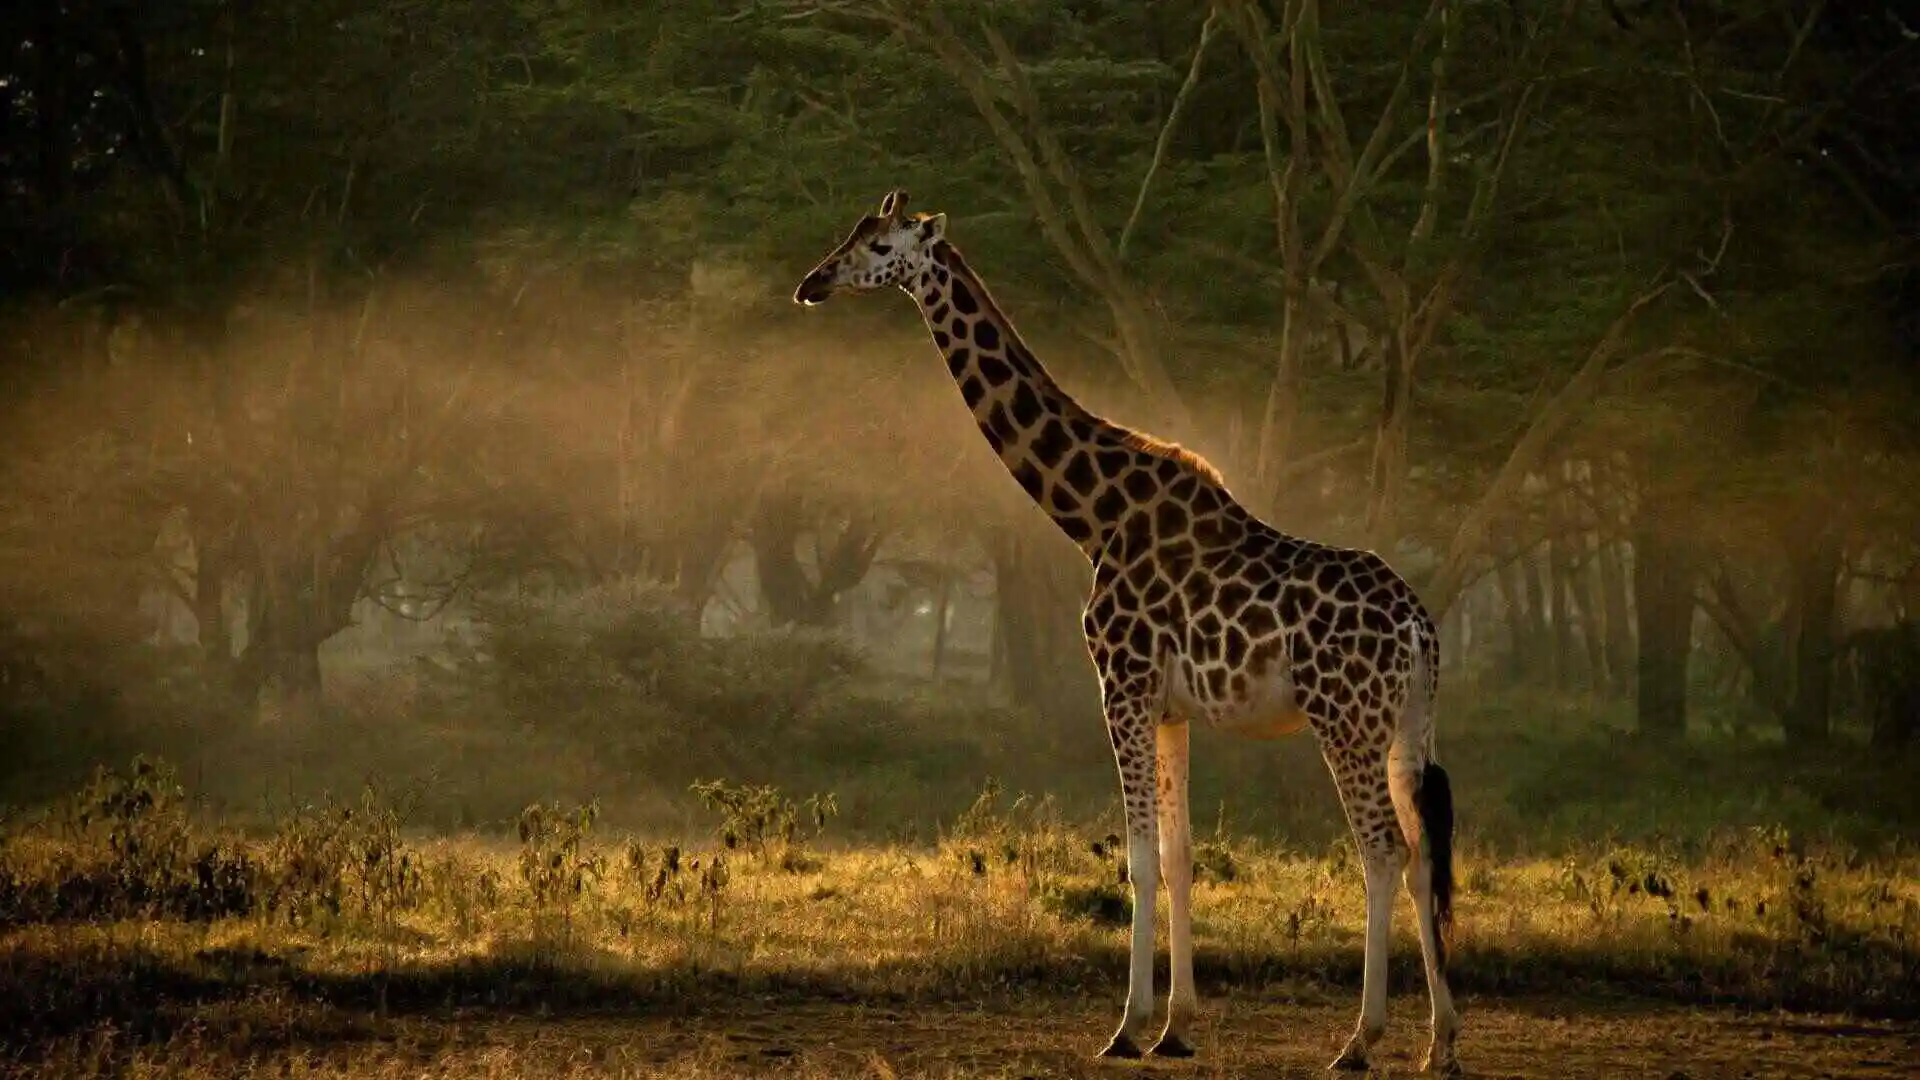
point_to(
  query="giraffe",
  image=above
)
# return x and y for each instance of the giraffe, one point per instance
(1200, 611)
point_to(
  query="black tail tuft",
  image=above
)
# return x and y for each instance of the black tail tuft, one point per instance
(1434, 802)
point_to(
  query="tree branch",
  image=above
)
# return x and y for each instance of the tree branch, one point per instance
(1166, 130)
(1531, 449)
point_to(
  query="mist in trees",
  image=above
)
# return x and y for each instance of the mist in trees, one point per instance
(1598, 319)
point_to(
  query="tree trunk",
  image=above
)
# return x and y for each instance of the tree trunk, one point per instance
(1613, 590)
(699, 557)
(1389, 446)
(794, 599)
(940, 624)
(1557, 566)
(280, 669)
(1282, 407)
(1520, 647)
(1888, 660)
(209, 614)
(306, 585)
(1896, 723)
(1815, 570)
(290, 689)
(1663, 595)
(1592, 629)
(214, 548)
(1576, 571)
(1543, 664)
(784, 587)
(1037, 623)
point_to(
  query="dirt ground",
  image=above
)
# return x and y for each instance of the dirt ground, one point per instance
(1017, 1037)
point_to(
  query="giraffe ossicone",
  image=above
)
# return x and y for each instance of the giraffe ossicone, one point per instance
(1202, 612)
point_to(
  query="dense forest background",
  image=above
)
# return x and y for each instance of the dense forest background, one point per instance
(377, 366)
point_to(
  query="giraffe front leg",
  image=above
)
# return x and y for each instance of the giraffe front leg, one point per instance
(1176, 865)
(1132, 732)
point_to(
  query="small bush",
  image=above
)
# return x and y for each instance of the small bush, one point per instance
(757, 817)
(342, 860)
(131, 852)
(1103, 903)
(554, 861)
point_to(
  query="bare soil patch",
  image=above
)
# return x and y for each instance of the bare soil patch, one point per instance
(1019, 1036)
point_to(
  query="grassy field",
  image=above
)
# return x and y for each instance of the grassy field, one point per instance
(140, 939)
(544, 879)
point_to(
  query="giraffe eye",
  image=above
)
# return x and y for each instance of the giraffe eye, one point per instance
(879, 249)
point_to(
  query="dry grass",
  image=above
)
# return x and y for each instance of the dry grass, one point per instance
(134, 941)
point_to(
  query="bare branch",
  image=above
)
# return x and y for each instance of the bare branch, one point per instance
(1531, 449)
(1358, 176)
(968, 68)
(1160, 145)
(1436, 133)
(1305, 466)
(1052, 154)
(1317, 295)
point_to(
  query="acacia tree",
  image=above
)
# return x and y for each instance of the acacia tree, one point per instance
(241, 161)
(1358, 199)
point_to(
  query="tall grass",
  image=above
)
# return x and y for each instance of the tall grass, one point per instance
(600, 808)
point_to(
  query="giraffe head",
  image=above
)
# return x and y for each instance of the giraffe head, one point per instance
(884, 249)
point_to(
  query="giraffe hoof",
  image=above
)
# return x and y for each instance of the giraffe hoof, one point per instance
(1352, 1059)
(1121, 1047)
(1447, 1067)
(1171, 1046)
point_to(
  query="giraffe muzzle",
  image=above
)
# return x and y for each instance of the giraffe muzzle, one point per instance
(814, 288)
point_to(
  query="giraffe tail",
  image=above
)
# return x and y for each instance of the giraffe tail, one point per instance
(1434, 800)
(1432, 790)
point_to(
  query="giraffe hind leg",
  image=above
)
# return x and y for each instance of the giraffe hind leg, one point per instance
(1423, 801)
(1366, 797)
(1382, 856)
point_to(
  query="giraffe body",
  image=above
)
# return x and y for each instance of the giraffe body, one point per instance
(1200, 612)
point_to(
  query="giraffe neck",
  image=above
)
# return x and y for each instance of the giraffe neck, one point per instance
(1047, 440)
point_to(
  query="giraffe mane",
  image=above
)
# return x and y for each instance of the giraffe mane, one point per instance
(1167, 448)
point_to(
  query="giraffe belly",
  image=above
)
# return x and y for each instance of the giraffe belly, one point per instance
(1259, 719)
(1269, 724)
(1268, 709)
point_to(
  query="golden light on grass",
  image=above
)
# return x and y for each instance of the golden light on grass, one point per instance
(342, 924)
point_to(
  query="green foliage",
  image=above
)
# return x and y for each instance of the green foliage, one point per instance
(608, 645)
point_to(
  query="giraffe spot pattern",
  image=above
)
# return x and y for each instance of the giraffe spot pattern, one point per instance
(1192, 593)
(1080, 475)
(1052, 445)
(1026, 406)
(964, 301)
(1000, 423)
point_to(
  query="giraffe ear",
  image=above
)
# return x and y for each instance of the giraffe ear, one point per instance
(933, 227)
(895, 202)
